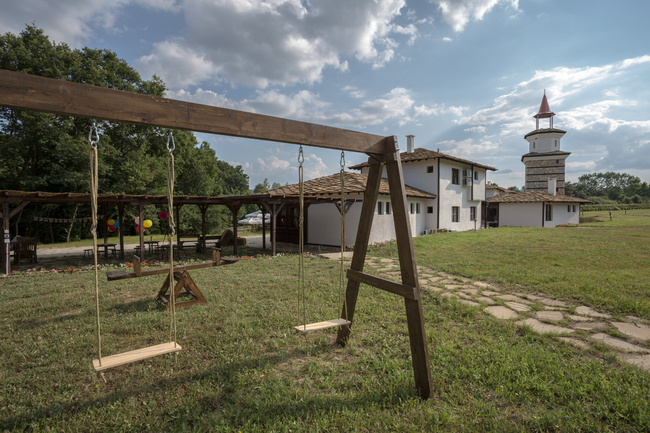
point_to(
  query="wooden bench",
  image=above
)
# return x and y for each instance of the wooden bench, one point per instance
(196, 240)
(181, 275)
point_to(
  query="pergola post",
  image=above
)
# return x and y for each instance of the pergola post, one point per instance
(120, 218)
(234, 208)
(263, 228)
(203, 208)
(141, 224)
(6, 237)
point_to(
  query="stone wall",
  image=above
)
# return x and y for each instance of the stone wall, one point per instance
(538, 173)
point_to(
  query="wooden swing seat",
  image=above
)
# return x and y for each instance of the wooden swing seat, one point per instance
(135, 355)
(306, 329)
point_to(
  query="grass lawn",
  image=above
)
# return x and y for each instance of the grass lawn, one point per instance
(244, 369)
(605, 265)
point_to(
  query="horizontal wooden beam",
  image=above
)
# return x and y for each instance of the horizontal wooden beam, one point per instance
(408, 292)
(30, 92)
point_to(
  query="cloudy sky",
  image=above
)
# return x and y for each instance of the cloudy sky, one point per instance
(463, 76)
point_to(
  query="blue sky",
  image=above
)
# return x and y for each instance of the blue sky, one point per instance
(463, 76)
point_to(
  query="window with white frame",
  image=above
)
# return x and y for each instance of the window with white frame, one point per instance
(417, 207)
(387, 208)
(412, 208)
(380, 208)
(430, 169)
(429, 209)
(549, 212)
(472, 213)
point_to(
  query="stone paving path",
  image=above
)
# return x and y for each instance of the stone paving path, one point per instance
(628, 337)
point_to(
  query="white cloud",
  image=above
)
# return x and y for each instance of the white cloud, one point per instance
(354, 92)
(71, 21)
(446, 39)
(262, 43)
(476, 129)
(305, 105)
(190, 66)
(437, 109)
(457, 13)
(468, 148)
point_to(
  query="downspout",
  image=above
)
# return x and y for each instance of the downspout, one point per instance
(438, 199)
(472, 191)
(543, 213)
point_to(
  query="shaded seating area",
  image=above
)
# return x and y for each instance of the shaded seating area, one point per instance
(25, 251)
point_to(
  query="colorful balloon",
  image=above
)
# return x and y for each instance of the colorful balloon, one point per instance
(137, 220)
(137, 229)
(111, 228)
(110, 222)
(163, 215)
(147, 223)
(116, 224)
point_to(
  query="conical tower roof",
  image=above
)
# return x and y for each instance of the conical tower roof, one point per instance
(544, 109)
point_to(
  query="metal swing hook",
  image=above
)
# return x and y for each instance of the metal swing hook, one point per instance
(301, 156)
(171, 137)
(94, 142)
(342, 161)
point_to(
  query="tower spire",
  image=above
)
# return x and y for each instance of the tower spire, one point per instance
(544, 112)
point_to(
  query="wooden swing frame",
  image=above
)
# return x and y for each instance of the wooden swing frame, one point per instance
(29, 92)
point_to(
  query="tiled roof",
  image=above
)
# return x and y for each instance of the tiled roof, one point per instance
(499, 188)
(329, 186)
(544, 131)
(422, 154)
(544, 109)
(534, 154)
(535, 197)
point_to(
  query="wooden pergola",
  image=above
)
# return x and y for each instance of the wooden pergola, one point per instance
(28, 92)
(12, 202)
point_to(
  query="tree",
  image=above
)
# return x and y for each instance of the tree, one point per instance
(45, 152)
(516, 189)
(261, 187)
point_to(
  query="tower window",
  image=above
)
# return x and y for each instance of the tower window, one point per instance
(533, 144)
(557, 161)
(555, 143)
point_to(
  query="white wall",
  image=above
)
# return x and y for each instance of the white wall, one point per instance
(544, 142)
(458, 195)
(562, 216)
(520, 214)
(531, 214)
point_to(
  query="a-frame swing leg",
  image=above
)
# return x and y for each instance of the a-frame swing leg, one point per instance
(413, 303)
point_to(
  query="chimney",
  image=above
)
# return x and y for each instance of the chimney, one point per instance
(552, 186)
(410, 143)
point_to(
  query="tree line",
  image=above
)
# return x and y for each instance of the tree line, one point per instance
(45, 152)
(610, 188)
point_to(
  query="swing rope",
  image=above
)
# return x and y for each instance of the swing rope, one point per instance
(342, 269)
(170, 197)
(94, 181)
(301, 260)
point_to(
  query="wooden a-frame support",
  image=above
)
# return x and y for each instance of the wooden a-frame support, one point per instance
(29, 92)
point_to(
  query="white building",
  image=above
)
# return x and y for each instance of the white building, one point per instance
(543, 204)
(443, 192)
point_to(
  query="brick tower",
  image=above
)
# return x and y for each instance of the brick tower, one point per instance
(544, 160)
